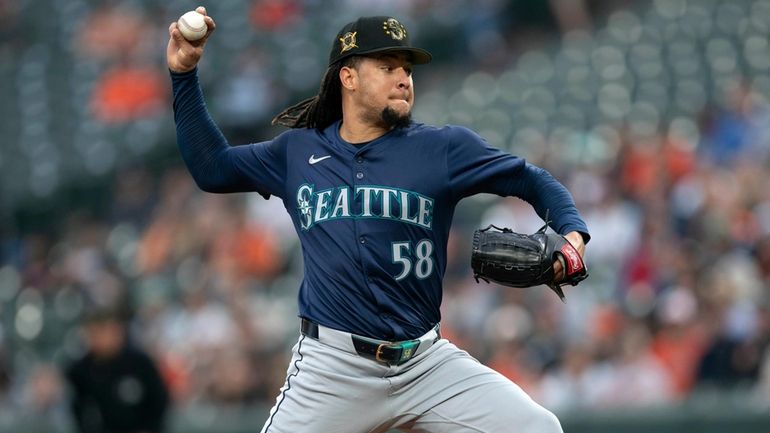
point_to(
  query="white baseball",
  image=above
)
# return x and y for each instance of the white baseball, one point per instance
(192, 26)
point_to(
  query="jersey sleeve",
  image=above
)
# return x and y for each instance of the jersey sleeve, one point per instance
(474, 166)
(214, 164)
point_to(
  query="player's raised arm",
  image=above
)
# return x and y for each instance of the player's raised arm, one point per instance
(212, 162)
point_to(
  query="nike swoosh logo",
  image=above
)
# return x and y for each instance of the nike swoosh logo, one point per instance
(314, 160)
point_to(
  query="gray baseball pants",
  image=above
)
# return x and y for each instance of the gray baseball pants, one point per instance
(329, 388)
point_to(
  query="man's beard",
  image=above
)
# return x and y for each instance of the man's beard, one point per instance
(392, 119)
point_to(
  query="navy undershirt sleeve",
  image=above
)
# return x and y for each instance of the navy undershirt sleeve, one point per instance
(548, 196)
(213, 163)
(474, 166)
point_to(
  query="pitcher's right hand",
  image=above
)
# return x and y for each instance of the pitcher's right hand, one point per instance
(181, 54)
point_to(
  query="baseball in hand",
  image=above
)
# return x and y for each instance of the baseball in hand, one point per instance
(192, 26)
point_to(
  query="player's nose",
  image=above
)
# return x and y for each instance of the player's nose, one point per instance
(403, 79)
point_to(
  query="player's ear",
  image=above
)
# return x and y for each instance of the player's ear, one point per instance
(348, 77)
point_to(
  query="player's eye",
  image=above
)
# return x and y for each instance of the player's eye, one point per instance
(389, 68)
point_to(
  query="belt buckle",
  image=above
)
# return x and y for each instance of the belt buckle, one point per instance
(407, 349)
(378, 352)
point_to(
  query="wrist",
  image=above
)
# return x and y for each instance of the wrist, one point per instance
(179, 73)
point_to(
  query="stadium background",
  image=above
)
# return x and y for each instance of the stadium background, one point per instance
(654, 114)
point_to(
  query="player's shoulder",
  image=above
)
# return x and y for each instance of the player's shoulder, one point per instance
(296, 136)
(299, 134)
(445, 132)
(448, 135)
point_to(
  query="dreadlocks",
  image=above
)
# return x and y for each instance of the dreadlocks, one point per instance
(322, 109)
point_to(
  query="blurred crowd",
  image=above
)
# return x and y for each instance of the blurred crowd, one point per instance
(678, 299)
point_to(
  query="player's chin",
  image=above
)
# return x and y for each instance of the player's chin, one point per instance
(395, 118)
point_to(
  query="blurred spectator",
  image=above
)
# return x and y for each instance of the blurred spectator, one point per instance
(571, 385)
(272, 15)
(116, 387)
(119, 37)
(729, 363)
(234, 378)
(734, 359)
(248, 95)
(739, 130)
(9, 23)
(513, 354)
(513, 360)
(680, 339)
(245, 249)
(635, 377)
(571, 14)
(129, 92)
(43, 393)
(115, 30)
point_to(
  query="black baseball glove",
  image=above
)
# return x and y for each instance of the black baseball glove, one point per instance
(519, 260)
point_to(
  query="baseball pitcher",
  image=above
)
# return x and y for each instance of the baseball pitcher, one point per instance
(371, 194)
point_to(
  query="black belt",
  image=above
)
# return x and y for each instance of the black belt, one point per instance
(386, 352)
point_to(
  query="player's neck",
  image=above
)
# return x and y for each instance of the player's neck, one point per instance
(354, 131)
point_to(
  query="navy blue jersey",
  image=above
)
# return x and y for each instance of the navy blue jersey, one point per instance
(373, 220)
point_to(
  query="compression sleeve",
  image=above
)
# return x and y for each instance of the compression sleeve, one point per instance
(474, 166)
(548, 196)
(213, 163)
